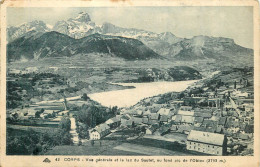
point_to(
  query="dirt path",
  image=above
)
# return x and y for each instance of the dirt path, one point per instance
(73, 132)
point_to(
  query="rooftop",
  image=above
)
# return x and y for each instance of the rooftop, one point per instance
(206, 137)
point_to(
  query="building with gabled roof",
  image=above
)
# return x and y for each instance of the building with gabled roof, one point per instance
(113, 122)
(178, 119)
(206, 142)
(150, 130)
(201, 114)
(198, 120)
(152, 121)
(187, 119)
(99, 131)
(164, 118)
(154, 116)
(137, 121)
(162, 130)
(127, 123)
(147, 113)
(164, 111)
(222, 121)
(185, 129)
(189, 113)
(145, 120)
(185, 108)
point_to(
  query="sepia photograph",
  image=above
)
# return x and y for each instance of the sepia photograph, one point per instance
(129, 81)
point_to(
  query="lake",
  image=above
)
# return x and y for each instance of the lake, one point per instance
(129, 97)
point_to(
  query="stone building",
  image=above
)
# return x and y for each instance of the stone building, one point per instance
(206, 142)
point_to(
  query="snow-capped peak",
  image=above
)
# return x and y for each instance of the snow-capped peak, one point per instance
(83, 17)
(25, 28)
(49, 26)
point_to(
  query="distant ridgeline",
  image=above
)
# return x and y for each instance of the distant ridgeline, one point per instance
(178, 73)
(79, 35)
(54, 44)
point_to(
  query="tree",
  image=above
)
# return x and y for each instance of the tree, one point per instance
(42, 110)
(114, 110)
(65, 123)
(181, 95)
(37, 114)
(85, 97)
(85, 116)
(66, 139)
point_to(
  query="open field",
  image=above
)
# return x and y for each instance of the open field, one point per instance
(106, 148)
(140, 146)
(13, 129)
(171, 137)
(83, 150)
(147, 150)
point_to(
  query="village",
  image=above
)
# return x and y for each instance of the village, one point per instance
(216, 121)
(214, 116)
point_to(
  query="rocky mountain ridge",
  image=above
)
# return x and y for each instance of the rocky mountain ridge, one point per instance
(55, 44)
(165, 44)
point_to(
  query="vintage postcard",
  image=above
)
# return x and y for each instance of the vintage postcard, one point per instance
(129, 83)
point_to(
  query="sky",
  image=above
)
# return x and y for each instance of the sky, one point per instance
(185, 22)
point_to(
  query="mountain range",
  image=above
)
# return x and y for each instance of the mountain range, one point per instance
(55, 44)
(81, 35)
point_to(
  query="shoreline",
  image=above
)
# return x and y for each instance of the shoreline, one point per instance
(130, 97)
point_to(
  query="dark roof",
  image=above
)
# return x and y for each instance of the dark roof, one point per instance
(151, 122)
(178, 118)
(203, 114)
(243, 136)
(125, 122)
(219, 129)
(198, 119)
(137, 120)
(235, 124)
(182, 128)
(212, 129)
(229, 123)
(210, 123)
(174, 127)
(200, 129)
(152, 129)
(125, 117)
(163, 129)
(154, 116)
(102, 127)
(164, 118)
(186, 108)
(203, 110)
(145, 120)
(129, 122)
(222, 121)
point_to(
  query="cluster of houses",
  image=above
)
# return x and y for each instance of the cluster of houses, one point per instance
(215, 121)
(22, 71)
(185, 120)
(46, 111)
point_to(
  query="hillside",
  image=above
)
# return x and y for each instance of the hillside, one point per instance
(81, 29)
(204, 47)
(54, 44)
(26, 28)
